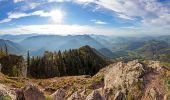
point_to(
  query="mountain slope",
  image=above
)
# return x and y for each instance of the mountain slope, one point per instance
(82, 61)
(16, 38)
(152, 49)
(12, 47)
(56, 42)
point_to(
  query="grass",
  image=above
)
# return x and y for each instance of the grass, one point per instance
(167, 64)
(70, 83)
(5, 98)
(17, 82)
(129, 96)
(47, 97)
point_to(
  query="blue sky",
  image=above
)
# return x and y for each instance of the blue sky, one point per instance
(107, 17)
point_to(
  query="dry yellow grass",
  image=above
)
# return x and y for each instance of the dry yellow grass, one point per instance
(70, 83)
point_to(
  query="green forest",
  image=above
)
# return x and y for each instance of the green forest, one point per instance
(11, 65)
(82, 61)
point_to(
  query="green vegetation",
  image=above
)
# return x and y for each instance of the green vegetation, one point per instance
(11, 64)
(47, 97)
(129, 96)
(5, 98)
(82, 61)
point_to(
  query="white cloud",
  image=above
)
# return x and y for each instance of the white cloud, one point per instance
(149, 11)
(30, 5)
(16, 1)
(60, 29)
(80, 1)
(63, 29)
(58, 0)
(125, 17)
(55, 15)
(98, 22)
(162, 20)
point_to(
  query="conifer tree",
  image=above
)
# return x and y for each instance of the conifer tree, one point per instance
(6, 49)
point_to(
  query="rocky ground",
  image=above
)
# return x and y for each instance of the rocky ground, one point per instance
(134, 80)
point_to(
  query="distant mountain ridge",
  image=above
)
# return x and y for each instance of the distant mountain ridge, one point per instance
(109, 46)
(12, 47)
(55, 42)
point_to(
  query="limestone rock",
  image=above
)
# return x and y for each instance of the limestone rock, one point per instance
(153, 93)
(165, 97)
(95, 95)
(58, 95)
(119, 96)
(32, 92)
(75, 96)
(154, 64)
(6, 93)
(24, 70)
(0, 67)
(123, 75)
(20, 94)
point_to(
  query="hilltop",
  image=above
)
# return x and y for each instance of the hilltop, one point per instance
(117, 81)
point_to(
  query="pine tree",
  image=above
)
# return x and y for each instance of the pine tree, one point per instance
(28, 58)
(71, 62)
(28, 63)
(6, 49)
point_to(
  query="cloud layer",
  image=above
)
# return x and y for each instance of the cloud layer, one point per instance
(147, 16)
(16, 15)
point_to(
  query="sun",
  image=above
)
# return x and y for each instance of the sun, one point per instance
(56, 16)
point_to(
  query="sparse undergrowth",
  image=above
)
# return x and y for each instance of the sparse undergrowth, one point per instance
(70, 83)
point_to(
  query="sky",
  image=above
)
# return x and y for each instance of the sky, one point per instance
(102, 17)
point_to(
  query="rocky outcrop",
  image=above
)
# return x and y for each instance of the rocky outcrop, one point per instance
(119, 96)
(20, 94)
(120, 78)
(0, 67)
(154, 65)
(95, 95)
(123, 75)
(32, 92)
(6, 93)
(29, 92)
(58, 95)
(121, 82)
(153, 94)
(76, 96)
(24, 70)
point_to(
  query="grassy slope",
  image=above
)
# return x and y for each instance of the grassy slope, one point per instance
(70, 83)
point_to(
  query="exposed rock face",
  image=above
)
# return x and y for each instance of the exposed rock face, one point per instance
(154, 64)
(0, 67)
(75, 96)
(31, 92)
(6, 93)
(121, 82)
(24, 70)
(123, 75)
(95, 95)
(58, 95)
(153, 94)
(119, 96)
(20, 94)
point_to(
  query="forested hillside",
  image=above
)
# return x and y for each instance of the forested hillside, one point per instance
(13, 47)
(10, 65)
(82, 61)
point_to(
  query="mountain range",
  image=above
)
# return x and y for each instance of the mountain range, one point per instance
(108, 46)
